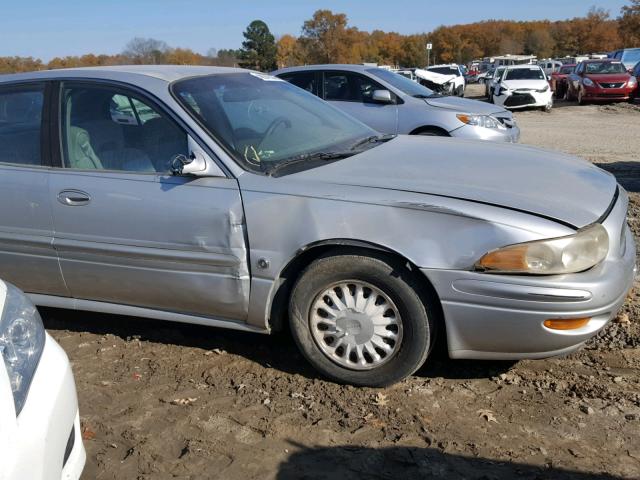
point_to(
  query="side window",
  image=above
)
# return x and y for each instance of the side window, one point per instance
(349, 87)
(304, 80)
(106, 129)
(21, 125)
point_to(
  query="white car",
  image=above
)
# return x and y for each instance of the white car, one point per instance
(40, 435)
(550, 66)
(491, 80)
(455, 81)
(522, 86)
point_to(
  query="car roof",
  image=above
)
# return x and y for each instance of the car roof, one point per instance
(601, 60)
(518, 67)
(166, 73)
(327, 66)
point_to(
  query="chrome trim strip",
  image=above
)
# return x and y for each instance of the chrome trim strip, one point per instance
(520, 292)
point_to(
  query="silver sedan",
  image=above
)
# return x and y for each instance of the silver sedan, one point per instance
(393, 104)
(233, 199)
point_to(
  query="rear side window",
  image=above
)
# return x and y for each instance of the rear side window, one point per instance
(21, 125)
(304, 80)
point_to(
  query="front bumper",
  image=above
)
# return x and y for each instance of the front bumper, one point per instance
(599, 94)
(509, 135)
(525, 99)
(491, 316)
(44, 442)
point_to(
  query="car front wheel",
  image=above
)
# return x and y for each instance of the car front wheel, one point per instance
(361, 319)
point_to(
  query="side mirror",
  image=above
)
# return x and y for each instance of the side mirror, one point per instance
(382, 96)
(198, 163)
(183, 165)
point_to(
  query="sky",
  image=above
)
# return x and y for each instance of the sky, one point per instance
(48, 28)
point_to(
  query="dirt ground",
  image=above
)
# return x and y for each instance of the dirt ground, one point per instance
(161, 400)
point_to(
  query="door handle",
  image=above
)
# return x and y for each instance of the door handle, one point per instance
(73, 198)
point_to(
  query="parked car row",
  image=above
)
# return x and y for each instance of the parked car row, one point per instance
(594, 80)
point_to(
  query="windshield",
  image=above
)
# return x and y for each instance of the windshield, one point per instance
(567, 70)
(402, 83)
(533, 73)
(444, 70)
(631, 57)
(262, 120)
(605, 67)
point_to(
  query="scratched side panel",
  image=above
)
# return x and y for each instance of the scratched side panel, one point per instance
(285, 217)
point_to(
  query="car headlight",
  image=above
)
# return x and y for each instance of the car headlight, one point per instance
(486, 121)
(587, 82)
(542, 90)
(632, 82)
(570, 254)
(22, 340)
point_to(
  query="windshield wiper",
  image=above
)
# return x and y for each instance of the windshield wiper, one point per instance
(422, 95)
(323, 156)
(373, 139)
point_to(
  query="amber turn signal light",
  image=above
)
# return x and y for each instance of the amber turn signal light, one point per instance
(566, 323)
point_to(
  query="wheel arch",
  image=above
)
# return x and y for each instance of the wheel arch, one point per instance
(429, 128)
(288, 275)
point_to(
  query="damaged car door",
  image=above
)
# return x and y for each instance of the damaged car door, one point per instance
(129, 232)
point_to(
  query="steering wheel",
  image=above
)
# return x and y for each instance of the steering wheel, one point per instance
(273, 126)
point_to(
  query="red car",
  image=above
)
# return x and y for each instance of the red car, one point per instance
(559, 79)
(601, 81)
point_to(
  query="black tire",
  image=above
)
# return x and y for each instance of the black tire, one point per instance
(391, 278)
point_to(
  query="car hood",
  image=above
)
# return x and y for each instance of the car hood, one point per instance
(524, 84)
(541, 182)
(464, 105)
(609, 78)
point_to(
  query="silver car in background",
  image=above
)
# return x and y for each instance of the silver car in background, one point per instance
(234, 199)
(392, 104)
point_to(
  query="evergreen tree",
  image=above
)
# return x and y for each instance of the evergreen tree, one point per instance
(259, 48)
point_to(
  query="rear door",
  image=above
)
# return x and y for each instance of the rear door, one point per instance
(128, 232)
(27, 256)
(352, 93)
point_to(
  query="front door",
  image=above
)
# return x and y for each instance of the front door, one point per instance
(352, 93)
(27, 256)
(127, 232)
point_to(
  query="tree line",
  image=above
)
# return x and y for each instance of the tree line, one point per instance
(327, 37)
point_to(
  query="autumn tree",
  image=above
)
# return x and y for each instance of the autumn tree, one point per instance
(599, 32)
(326, 38)
(146, 50)
(630, 23)
(289, 52)
(539, 41)
(259, 47)
(19, 64)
